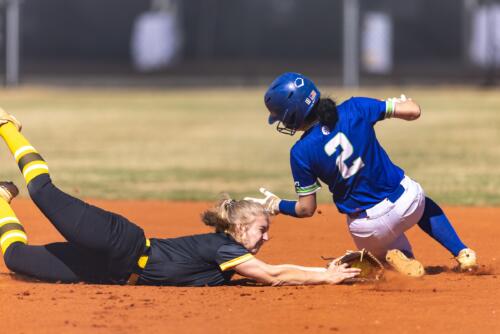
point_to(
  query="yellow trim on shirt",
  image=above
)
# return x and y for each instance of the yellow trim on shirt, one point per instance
(143, 260)
(234, 262)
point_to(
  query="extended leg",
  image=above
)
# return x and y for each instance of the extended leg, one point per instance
(82, 224)
(435, 223)
(11, 229)
(52, 262)
(30, 162)
(57, 262)
(77, 221)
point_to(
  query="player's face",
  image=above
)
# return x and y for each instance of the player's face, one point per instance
(256, 234)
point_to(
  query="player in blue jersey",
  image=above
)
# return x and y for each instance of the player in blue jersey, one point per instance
(339, 147)
(104, 247)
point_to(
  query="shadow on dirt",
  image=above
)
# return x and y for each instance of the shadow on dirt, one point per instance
(436, 270)
(481, 270)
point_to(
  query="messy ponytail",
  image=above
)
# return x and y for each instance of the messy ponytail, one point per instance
(217, 216)
(231, 216)
(325, 111)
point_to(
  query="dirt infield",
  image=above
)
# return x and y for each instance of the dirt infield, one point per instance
(442, 301)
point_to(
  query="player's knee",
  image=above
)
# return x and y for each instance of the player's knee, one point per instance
(37, 185)
(10, 258)
(431, 208)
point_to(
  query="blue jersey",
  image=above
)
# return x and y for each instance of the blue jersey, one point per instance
(348, 158)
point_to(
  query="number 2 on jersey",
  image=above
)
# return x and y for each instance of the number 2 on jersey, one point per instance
(341, 140)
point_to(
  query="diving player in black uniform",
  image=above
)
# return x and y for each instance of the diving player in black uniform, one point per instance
(104, 247)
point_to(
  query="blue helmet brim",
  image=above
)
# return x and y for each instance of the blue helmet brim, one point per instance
(272, 119)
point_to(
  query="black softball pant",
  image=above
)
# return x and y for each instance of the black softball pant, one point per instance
(101, 247)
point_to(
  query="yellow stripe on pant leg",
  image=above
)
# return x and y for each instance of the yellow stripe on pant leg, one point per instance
(7, 216)
(6, 213)
(9, 220)
(11, 237)
(22, 151)
(32, 173)
(19, 146)
(33, 169)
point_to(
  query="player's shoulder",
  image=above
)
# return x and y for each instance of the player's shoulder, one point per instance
(224, 239)
(228, 244)
(306, 139)
(358, 107)
(357, 101)
(219, 238)
(214, 243)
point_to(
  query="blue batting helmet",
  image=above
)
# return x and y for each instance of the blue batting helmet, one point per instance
(289, 99)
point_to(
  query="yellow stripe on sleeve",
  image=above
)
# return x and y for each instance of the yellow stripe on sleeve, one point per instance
(234, 262)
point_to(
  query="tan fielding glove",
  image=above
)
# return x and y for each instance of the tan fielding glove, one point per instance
(371, 268)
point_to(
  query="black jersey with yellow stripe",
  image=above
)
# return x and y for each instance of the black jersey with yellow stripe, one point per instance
(197, 260)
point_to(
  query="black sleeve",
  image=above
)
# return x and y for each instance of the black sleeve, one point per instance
(230, 255)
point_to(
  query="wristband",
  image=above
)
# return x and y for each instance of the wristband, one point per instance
(288, 207)
(390, 107)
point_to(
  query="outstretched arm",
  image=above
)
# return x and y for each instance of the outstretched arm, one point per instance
(287, 274)
(404, 108)
(304, 207)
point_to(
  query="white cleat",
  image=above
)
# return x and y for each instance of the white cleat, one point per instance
(403, 264)
(466, 259)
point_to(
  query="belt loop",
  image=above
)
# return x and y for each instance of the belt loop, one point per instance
(133, 278)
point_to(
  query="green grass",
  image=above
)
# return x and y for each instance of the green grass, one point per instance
(194, 144)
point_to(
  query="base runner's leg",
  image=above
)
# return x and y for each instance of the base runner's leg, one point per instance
(435, 223)
(403, 244)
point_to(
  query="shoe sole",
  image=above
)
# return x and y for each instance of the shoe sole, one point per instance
(404, 265)
(8, 191)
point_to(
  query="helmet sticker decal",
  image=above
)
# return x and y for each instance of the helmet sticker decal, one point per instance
(299, 82)
(312, 95)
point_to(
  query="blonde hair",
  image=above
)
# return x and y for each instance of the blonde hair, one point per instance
(233, 217)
